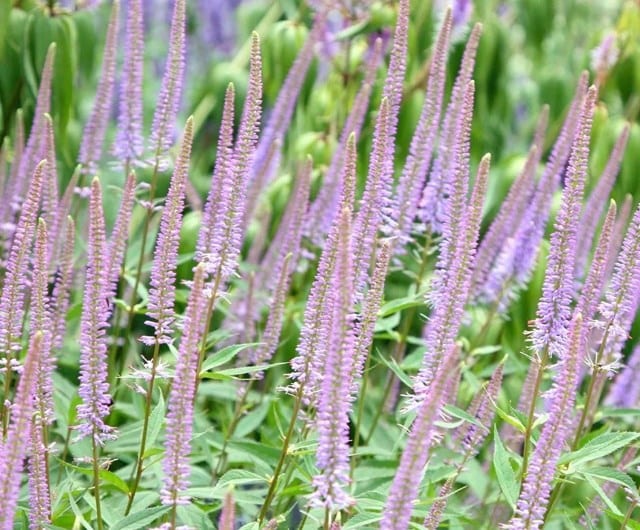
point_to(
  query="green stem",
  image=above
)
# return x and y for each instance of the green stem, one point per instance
(283, 455)
(531, 412)
(96, 478)
(145, 428)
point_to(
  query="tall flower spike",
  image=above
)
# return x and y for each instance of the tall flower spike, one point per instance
(404, 488)
(434, 197)
(536, 489)
(618, 309)
(288, 237)
(617, 235)
(41, 322)
(285, 104)
(511, 209)
(553, 313)
(223, 168)
(96, 126)
(226, 238)
(595, 281)
(518, 256)
(39, 496)
(170, 93)
(33, 150)
(10, 197)
(118, 239)
(14, 448)
(442, 329)
(312, 346)
(180, 407)
(50, 192)
(273, 327)
(16, 275)
(593, 209)
(625, 391)
(94, 386)
(62, 286)
(456, 189)
(414, 174)
(325, 206)
(376, 197)
(129, 143)
(364, 330)
(334, 400)
(165, 257)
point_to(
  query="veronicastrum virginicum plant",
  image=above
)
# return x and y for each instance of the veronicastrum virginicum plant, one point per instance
(325, 265)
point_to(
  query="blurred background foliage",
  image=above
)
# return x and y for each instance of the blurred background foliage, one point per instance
(531, 53)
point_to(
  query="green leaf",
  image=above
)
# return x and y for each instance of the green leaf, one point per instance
(392, 364)
(462, 415)
(511, 420)
(224, 356)
(105, 475)
(155, 424)
(600, 446)
(609, 503)
(141, 519)
(504, 472)
(610, 474)
(397, 305)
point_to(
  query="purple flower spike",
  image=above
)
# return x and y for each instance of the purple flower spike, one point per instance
(96, 126)
(226, 236)
(223, 168)
(617, 235)
(41, 322)
(170, 94)
(325, 207)
(625, 391)
(423, 434)
(432, 208)
(536, 489)
(94, 385)
(228, 516)
(16, 270)
(165, 257)
(180, 407)
(14, 448)
(445, 321)
(50, 191)
(129, 143)
(553, 314)
(510, 215)
(414, 174)
(335, 399)
(118, 239)
(595, 281)
(592, 210)
(39, 496)
(62, 287)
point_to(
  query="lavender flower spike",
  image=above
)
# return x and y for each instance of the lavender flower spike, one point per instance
(226, 238)
(536, 489)
(335, 399)
(414, 174)
(118, 239)
(592, 210)
(16, 277)
(94, 386)
(171, 90)
(617, 234)
(223, 168)
(14, 448)
(41, 322)
(553, 314)
(50, 188)
(62, 287)
(180, 407)
(96, 126)
(39, 496)
(228, 516)
(404, 488)
(625, 391)
(129, 143)
(10, 191)
(434, 197)
(165, 257)
(595, 281)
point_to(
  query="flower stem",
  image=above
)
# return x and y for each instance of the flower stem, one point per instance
(145, 428)
(526, 452)
(96, 478)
